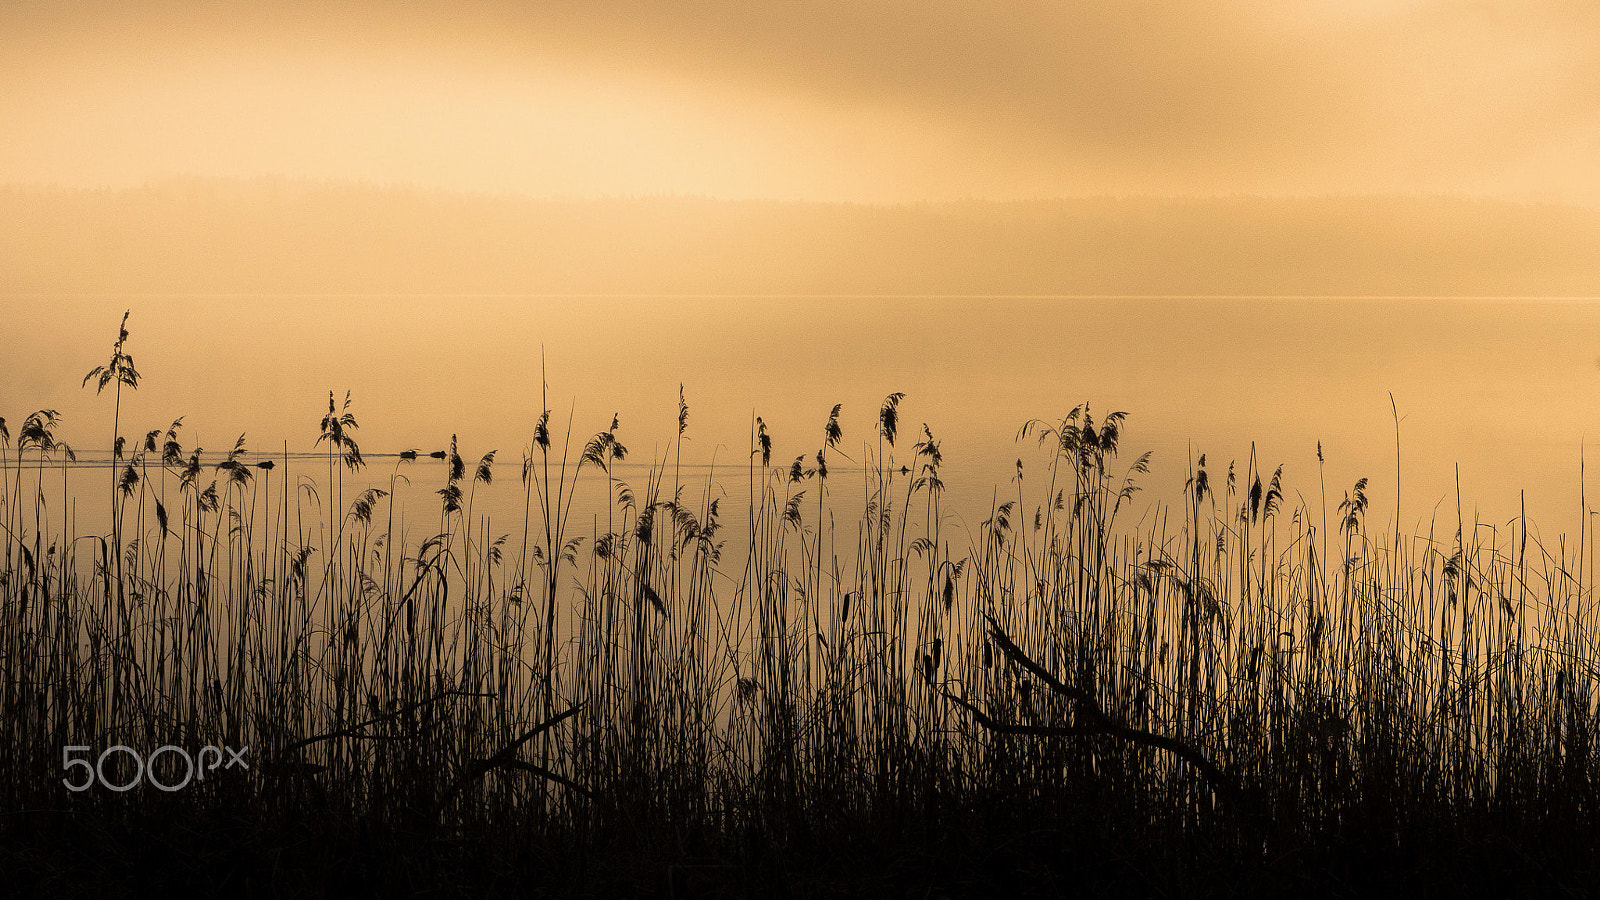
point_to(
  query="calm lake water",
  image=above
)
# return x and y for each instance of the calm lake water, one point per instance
(1506, 389)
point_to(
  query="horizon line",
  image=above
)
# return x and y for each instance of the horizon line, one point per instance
(565, 295)
(324, 182)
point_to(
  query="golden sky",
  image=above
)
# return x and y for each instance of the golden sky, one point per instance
(866, 100)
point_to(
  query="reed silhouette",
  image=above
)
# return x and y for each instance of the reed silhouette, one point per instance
(1197, 702)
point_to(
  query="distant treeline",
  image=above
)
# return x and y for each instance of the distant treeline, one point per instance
(201, 236)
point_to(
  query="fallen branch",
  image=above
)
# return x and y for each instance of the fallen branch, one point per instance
(1092, 720)
(357, 731)
(506, 758)
(548, 775)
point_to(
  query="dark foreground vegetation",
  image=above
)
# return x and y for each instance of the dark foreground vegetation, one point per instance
(1227, 695)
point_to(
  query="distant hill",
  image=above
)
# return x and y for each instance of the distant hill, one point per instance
(293, 237)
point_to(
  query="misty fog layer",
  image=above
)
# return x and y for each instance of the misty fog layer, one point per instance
(272, 236)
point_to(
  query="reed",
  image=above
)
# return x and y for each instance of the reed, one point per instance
(1195, 701)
